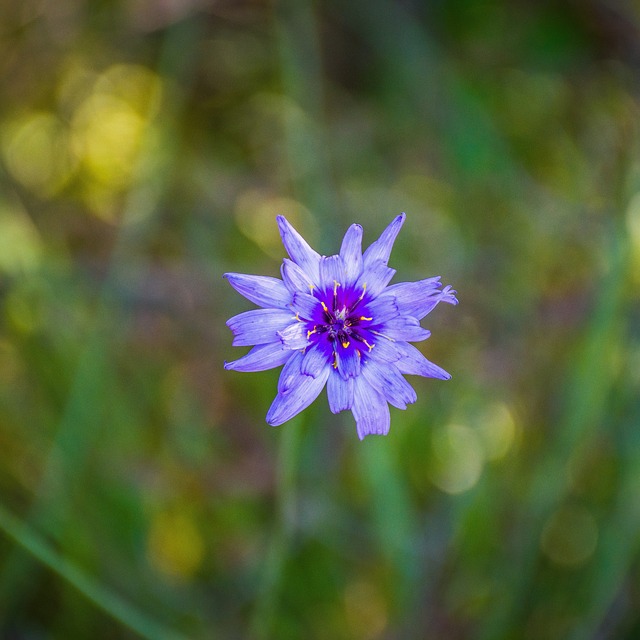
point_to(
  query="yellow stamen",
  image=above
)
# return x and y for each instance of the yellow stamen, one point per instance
(365, 318)
(309, 333)
(369, 345)
(324, 307)
(311, 287)
(297, 317)
(346, 344)
(335, 363)
(336, 284)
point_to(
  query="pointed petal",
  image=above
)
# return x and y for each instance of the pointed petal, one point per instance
(370, 409)
(417, 299)
(375, 278)
(316, 358)
(262, 290)
(298, 248)
(295, 278)
(258, 326)
(381, 248)
(387, 379)
(331, 271)
(415, 364)
(290, 372)
(406, 328)
(294, 336)
(348, 360)
(300, 392)
(307, 306)
(261, 358)
(351, 253)
(384, 350)
(339, 392)
(382, 309)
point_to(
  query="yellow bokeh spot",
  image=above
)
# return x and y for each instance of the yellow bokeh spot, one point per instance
(256, 212)
(570, 536)
(366, 610)
(113, 132)
(175, 546)
(134, 84)
(107, 136)
(458, 458)
(35, 148)
(633, 227)
(497, 430)
(20, 242)
(25, 305)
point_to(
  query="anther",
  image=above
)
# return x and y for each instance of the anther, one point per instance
(346, 343)
(365, 318)
(369, 345)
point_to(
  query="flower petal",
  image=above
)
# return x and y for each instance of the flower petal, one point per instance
(289, 373)
(348, 361)
(316, 358)
(382, 309)
(417, 299)
(415, 364)
(405, 328)
(381, 248)
(262, 290)
(384, 350)
(331, 271)
(261, 358)
(258, 326)
(387, 379)
(339, 392)
(295, 278)
(375, 278)
(298, 392)
(351, 253)
(294, 336)
(298, 248)
(370, 409)
(306, 306)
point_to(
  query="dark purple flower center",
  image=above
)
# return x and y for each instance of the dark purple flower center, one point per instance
(342, 321)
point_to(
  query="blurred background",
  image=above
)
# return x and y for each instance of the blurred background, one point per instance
(146, 148)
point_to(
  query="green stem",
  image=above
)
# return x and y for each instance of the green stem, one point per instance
(268, 594)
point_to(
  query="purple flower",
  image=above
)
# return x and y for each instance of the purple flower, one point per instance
(333, 320)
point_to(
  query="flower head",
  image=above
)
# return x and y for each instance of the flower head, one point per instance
(333, 320)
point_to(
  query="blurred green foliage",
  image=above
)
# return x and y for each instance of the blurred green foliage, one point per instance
(145, 149)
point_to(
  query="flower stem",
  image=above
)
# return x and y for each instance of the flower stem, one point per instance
(266, 603)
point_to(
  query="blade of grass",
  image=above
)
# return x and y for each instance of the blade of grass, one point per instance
(77, 431)
(112, 604)
(295, 30)
(393, 519)
(266, 603)
(588, 386)
(618, 542)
